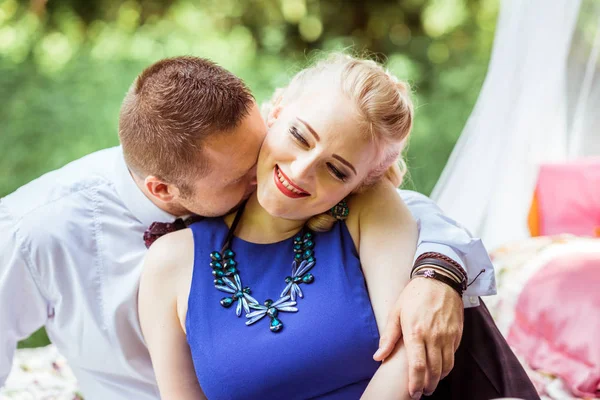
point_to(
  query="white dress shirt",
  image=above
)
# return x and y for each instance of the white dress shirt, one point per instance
(71, 252)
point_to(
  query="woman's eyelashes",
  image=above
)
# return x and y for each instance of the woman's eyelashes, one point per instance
(300, 140)
(298, 136)
(337, 173)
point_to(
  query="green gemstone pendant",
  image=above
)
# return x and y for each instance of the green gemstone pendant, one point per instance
(231, 270)
(272, 312)
(276, 325)
(227, 279)
(228, 253)
(226, 302)
(218, 273)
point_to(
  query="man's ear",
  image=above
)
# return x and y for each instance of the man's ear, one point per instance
(160, 190)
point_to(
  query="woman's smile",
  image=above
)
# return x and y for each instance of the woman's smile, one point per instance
(287, 186)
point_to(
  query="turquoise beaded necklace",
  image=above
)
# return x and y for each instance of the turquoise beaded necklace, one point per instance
(227, 279)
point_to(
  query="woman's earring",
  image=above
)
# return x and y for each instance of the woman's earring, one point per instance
(340, 211)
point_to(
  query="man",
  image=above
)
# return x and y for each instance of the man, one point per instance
(71, 246)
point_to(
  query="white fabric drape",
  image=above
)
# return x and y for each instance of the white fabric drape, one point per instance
(540, 102)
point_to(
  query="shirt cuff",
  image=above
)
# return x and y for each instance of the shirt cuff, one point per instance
(470, 301)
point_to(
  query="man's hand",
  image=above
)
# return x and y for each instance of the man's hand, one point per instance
(429, 316)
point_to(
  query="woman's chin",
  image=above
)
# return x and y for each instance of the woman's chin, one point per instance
(280, 206)
(270, 203)
(276, 209)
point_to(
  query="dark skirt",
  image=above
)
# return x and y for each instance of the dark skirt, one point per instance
(485, 367)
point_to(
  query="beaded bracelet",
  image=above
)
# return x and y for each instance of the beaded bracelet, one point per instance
(433, 274)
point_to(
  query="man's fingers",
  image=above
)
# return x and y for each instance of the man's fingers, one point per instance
(458, 338)
(417, 365)
(391, 334)
(447, 361)
(434, 368)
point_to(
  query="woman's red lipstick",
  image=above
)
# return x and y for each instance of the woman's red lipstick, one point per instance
(283, 189)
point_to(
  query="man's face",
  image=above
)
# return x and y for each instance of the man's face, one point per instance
(231, 159)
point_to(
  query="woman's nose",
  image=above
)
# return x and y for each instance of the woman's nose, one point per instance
(302, 169)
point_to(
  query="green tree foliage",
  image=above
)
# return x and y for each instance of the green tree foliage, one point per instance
(65, 65)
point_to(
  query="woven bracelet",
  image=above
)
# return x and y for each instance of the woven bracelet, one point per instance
(441, 257)
(453, 275)
(452, 268)
(433, 274)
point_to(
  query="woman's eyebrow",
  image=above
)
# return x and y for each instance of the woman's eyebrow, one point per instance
(317, 138)
(311, 130)
(346, 163)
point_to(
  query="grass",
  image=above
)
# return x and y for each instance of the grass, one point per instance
(38, 339)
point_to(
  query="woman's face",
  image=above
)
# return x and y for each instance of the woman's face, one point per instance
(314, 155)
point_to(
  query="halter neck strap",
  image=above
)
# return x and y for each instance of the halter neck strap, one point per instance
(236, 220)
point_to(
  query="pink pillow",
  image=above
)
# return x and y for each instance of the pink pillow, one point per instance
(568, 198)
(557, 322)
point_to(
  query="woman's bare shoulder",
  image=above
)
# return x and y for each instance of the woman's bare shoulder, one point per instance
(169, 265)
(375, 205)
(170, 260)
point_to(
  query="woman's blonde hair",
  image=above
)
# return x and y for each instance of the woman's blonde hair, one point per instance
(382, 101)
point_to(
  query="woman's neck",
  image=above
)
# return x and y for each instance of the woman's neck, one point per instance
(258, 226)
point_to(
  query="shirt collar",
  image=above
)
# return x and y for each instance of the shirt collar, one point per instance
(133, 198)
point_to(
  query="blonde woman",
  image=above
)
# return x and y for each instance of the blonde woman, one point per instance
(285, 297)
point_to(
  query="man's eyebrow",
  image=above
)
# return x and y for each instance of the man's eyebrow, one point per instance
(310, 129)
(346, 163)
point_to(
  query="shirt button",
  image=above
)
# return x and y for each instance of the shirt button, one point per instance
(473, 299)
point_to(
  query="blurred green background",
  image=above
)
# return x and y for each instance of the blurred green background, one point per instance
(65, 65)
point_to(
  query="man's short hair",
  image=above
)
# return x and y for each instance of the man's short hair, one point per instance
(172, 106)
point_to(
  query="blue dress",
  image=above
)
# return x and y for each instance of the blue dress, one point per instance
(324, 350)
